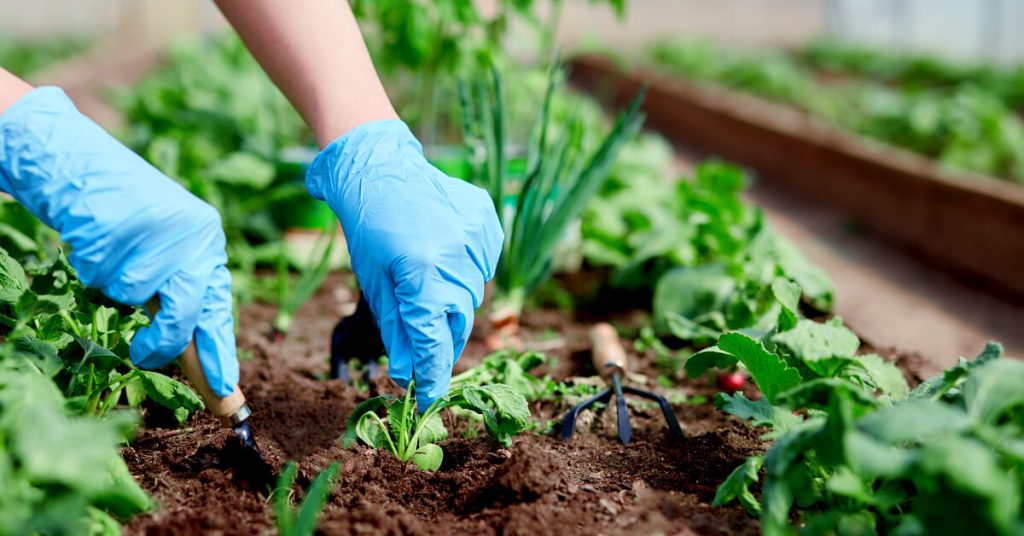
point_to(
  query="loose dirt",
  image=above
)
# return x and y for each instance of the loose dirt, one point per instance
(592, 484)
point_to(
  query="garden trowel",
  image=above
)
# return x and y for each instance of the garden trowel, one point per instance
(232, 410)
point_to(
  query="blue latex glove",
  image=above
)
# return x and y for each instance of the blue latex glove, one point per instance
(422, 244)
(133, 231)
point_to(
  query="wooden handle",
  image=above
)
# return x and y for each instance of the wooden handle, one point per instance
(608, 353)
(230, 409)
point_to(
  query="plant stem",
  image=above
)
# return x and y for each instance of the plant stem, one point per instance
(434, 408)
(402, 444)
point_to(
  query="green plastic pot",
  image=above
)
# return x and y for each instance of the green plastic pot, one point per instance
(302, 212)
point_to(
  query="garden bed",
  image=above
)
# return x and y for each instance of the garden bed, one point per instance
(592, 484)
(972, 224)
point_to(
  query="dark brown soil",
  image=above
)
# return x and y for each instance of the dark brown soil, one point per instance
(592, 484)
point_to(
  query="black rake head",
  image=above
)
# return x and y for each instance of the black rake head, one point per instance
(625, 429)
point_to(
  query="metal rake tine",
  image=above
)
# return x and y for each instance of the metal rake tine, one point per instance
(625, 431)
(569, 421)
(666, 409)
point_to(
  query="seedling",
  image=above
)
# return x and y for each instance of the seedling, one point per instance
(311, 277)
(302, 520)
(510, 368)
(412, 437)
(65, 331)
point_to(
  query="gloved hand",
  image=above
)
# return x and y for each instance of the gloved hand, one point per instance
(133, 231)
(422, 245)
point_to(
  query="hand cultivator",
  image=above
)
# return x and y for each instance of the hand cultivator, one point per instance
(611, 362)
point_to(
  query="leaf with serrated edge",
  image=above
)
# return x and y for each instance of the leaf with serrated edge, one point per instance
(769, 371)
(759, 412)
(811, 340)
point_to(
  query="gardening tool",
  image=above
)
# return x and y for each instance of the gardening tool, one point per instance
(356, 337)
(231, 410)
(611, 362)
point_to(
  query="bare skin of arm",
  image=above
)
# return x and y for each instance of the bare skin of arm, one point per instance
(12, 88)
(314, 52)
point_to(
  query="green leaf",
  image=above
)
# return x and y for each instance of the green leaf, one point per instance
(819, 392)
(17, 239)
(401, 413)
(367, 406)
(135, 391)
(957, 472)
(76, 458)
(938, 385)
(690, 292)
(919, 421)
(848, 483)
(737, 486)
(428, 457)
(241, 169)
(787, 294)
(698, 363)
(769, 371)
(38, 355)
(93, 353)
(170, 393)
(12, 279)
(431, 430)
(504, 410)
(316, 498)
(121, 495)
(759, 412)
(811, 340)
(994, 390)
(815, 284)
(370, 429)
(284, 515)
(883, 375)
(689, 330)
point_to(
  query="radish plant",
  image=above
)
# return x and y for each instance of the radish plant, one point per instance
(411, 436)
(562, 175)
(856, 451)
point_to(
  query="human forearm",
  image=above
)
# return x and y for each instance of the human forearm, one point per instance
(12, 88)
(314, 52)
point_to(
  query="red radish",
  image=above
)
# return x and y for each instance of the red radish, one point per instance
(731, 382)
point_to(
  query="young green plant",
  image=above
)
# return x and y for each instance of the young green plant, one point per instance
(411, 436)
(311, 277)
(58, 328)
(562, 175)
(302, 520)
